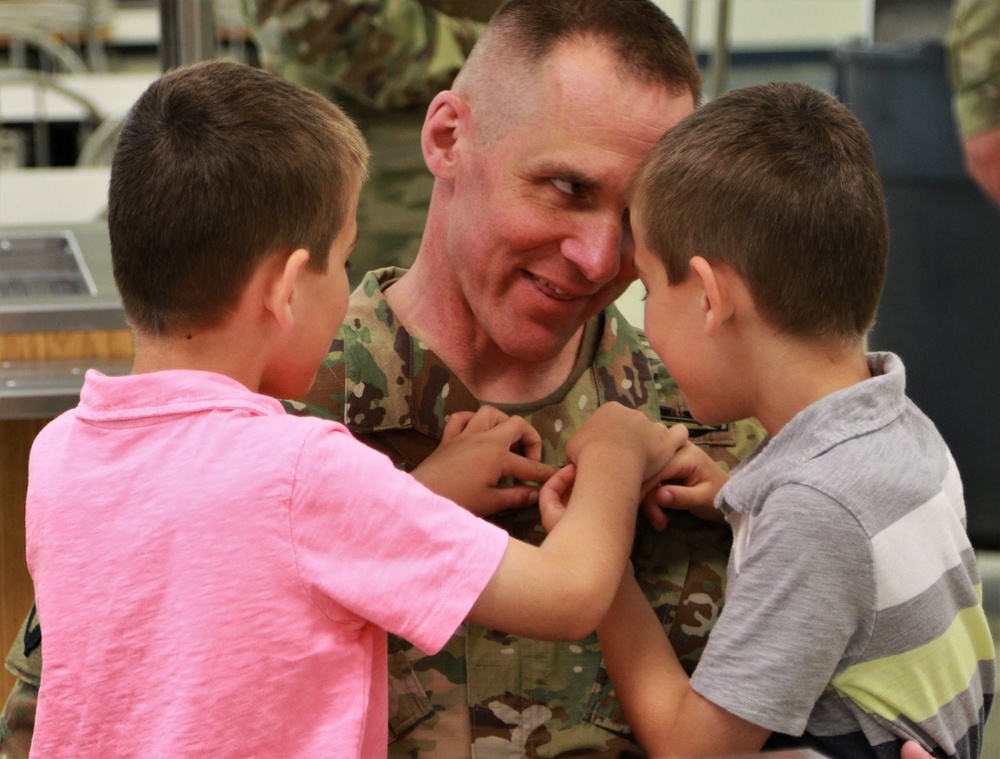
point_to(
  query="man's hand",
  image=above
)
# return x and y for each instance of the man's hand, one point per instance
(476, 454)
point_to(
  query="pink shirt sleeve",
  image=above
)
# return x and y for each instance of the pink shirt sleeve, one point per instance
(371, 541)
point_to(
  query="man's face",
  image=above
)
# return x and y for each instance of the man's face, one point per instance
(535, 237)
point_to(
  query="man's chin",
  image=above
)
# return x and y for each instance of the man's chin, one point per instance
(536, 344)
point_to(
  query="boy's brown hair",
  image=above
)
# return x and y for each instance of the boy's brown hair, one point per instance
(219, 166)
(777, 181)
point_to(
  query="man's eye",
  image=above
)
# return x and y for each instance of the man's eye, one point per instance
(568, 187)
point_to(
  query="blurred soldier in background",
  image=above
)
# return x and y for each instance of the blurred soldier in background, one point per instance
(382, 62)
(974, 39)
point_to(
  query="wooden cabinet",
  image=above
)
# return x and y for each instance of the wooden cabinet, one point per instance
(16, 437)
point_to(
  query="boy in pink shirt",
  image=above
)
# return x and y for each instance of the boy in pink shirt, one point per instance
(180, 524)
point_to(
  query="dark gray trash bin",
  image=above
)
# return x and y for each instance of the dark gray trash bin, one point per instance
(941, 307)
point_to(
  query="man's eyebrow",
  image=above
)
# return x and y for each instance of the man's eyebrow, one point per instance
(556, 170)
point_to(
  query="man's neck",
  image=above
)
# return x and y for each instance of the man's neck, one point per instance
(448, 328)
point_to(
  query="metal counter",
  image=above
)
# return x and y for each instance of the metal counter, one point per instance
(27, 305)
(55, 279)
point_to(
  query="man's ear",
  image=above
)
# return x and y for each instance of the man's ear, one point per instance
(447, 117)
(718, 303)
(279, 295)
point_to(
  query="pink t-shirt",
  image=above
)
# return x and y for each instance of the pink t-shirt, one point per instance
(215, 578)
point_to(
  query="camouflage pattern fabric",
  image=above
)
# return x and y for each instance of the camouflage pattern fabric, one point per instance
(382, 62)
(24, 662)
(489, 694)
(383, 54)
(974, 41)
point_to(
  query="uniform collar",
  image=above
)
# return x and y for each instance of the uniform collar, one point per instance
(424, 392)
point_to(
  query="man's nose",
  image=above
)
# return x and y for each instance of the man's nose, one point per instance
(595, 249)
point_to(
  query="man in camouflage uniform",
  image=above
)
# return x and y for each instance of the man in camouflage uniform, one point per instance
(382, 62)
(509, 302)
(553, 121)
(504, 695)
(974, 40)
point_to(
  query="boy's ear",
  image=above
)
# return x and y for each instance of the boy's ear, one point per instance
(718, 302)
(279, 296)
(447, 116)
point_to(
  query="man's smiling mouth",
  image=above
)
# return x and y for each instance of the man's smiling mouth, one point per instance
(551, 288)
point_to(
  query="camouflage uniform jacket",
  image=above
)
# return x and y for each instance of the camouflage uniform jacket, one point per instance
(506, 696)
(974, 40)
(381, 54)
(24, 661)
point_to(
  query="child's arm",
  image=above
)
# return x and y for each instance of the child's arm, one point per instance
(666, 715)
(475, 454)
(561, 589)
(693, 480)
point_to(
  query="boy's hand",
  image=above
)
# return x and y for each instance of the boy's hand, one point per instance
(695, 480)
(623, 429)
(475, 454)
(555, 495)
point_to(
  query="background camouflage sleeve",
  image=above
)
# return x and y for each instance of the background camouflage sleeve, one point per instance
(974, 40)
(24, 662)
(385, 54)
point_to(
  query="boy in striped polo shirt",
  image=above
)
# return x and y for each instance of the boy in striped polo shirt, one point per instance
(853, 620)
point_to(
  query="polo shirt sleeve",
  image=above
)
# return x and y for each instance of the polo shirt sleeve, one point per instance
(372, 542)
(801, 604)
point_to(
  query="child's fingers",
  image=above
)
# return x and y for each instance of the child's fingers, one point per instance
(676, 438)
(653, 512)
(526, 470)
(518, 432)
(559, 485)
(554, 494)
(486, 418)
(456, 425)
(660, 449)
(682, 464)
(697, 499)
(515, 497)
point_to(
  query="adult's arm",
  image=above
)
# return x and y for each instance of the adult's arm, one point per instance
(974, 43)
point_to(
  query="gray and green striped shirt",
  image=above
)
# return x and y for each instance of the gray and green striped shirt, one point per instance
(853, 617)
